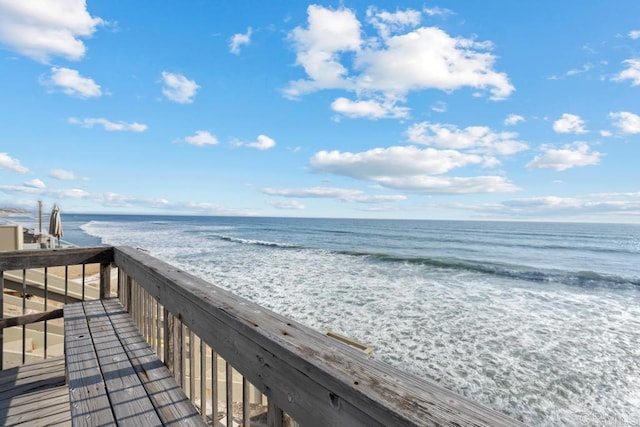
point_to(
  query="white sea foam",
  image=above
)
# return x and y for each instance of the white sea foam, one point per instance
(548, 355)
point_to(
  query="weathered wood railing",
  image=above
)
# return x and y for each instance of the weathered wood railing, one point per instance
(228, 352)
(20, 282)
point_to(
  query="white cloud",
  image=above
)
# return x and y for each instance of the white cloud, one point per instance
(450, 185)
(573, 72)
(43, 29)
(625, 121)
(513, 119)
(605, 133)
(389, 65)
(124, 201)
(635, 34)
(238, 40)
(73, 193)
(428, 58)
(477, 139)
(609, 203)
(393, 161)
(631, 73)
(110, 199)
(569, 123)
(368, 109)
(569, 156)
(329, 32)
(7, 162)
(392, 22)
(437, 11)
(263, 142)
(72, 83)
(439, 107)
(178, 88)
(343, 194)
(35, 183)
(62, 174)
(201, 137)
(286, 204)
(601, 206)
(109, 125)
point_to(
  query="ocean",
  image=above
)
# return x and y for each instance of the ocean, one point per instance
(540, 321)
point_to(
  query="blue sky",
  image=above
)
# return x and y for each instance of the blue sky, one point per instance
(427, 110)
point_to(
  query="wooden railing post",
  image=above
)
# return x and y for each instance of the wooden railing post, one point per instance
(128, 293)
(169, 322)
(105, 280)
(274, 415)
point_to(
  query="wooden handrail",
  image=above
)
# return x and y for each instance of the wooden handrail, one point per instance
(313, 378)
(44, 258)
(308, 375)
(39, 258)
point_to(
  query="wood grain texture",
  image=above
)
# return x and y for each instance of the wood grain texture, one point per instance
(167, 397)
(30, 318)
(87, 393)
(315, 379)
(35, 395)
(128, 397)
(18, 260)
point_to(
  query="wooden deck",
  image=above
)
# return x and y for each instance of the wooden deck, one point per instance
(35, 395)
(114, 376)
(205, 336)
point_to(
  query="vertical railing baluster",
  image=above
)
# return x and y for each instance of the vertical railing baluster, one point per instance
(134, 302)
(128, 293)
(119, 290)
(66, 283)
(203, 380)
(46, 307)
(140, 306)
(83, 279)
(168, 350)
(158, 336)
(274, 415)
(229, 371)
(24, 311)
(182, 350)
(137, 304)
(150, 314)
(192, 362)
(142, 318)
(246, 410)
(214, 388)
(144, 327)
(152, 321)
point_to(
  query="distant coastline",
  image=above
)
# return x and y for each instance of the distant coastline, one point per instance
(13, 211)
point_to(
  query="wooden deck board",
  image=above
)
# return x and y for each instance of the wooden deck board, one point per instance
(173, 407)
(129, 400)
(18, 375)
(84, 376)
(116, 375)
(35, 395)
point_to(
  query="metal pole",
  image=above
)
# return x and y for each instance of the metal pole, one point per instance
(39, 221)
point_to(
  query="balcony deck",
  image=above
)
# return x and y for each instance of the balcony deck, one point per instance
(35, 395)
(238, 363)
